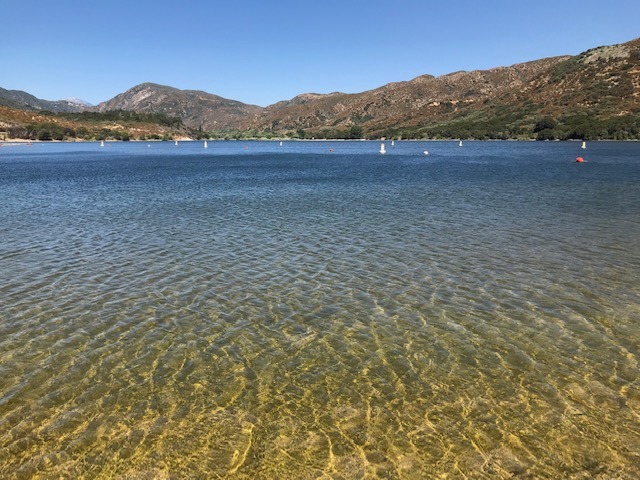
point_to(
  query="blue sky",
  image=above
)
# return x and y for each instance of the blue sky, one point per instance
(260, 52)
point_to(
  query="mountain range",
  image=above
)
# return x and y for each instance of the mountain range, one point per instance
(563, 97)
(24, 101)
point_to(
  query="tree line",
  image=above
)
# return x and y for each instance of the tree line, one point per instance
(504, 125)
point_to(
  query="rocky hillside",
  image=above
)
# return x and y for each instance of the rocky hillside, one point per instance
(17, 99)
(422, 99)
(75, 126)
(592, 95)
(196, 109)
(501, 102)
(600, 81)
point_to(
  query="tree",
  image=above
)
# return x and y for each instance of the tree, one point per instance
(546, 123)
(546, 134)
(44, 135)
(355, 132)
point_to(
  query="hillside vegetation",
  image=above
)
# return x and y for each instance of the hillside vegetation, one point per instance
(113, 125)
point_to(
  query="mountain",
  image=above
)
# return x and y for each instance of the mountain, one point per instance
(301, 99)
(195, 108)
(17, 99)
(593, 95)
(600, 84)
(425, 98)
(77, 101)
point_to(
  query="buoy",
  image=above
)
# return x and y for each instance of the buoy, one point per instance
(579, 160)
(331, 150)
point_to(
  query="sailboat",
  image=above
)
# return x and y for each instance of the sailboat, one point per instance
(584, 145)
(460, 143)
(280, 143)
(205, 144)
(176, 143)
(382, 150)
(102, 143)
(393, 142)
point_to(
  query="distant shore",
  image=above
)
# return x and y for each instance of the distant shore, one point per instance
(21, 141)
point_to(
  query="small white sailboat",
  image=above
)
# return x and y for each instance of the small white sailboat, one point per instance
(460, 143)
(102, 143)
(176, 143)
(205, 144)
(584, 145)
(393, 142)
(382, 150)
(280, 143)
(426, 152)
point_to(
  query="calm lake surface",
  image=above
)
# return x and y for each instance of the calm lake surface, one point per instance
(262, 311)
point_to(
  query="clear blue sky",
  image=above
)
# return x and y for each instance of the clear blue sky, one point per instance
(263, 51)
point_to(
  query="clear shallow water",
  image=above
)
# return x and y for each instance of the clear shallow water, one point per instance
(257, 311)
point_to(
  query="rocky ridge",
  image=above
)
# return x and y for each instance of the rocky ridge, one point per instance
(20, 100)
(196, 109)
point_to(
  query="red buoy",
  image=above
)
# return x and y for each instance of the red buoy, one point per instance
(579, 159)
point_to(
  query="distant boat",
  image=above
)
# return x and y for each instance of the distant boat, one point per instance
(584, 145)
(102, 143)
(382, 150)
(393, 143)
(176, 143)
(205, 144)
(426, 152)
(460, 143)
(280, 143)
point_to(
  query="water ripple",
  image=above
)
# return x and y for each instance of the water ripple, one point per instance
(299, 316)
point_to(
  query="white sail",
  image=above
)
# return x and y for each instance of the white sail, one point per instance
(280, 143)
(102, 143)
(205, 144)
(460, 143)
(382, 150)
(176, 143)
(584, 145)
(393, 143)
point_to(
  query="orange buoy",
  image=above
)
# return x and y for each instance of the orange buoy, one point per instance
(579, 159)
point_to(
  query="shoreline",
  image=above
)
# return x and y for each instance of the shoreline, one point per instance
(25, 142)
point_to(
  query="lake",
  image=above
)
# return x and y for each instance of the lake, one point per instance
(319, 310)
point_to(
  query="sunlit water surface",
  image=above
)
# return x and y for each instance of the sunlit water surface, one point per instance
(262, 311)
